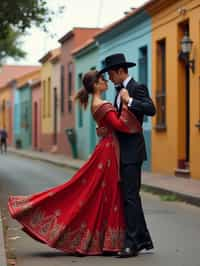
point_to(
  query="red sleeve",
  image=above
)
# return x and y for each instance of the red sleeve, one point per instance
(112, 120)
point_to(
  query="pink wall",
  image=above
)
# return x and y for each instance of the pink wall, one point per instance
(78, 38)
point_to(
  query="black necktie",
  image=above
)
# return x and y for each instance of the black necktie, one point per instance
(119, 87)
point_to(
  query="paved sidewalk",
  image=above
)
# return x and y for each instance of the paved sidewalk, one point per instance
(2, 247)
(185, 189)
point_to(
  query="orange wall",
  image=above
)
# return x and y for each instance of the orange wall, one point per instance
(195, 94)
(166, 146)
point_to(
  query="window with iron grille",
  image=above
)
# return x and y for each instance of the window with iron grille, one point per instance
(161, 85)
(62, 94)
(70, 87)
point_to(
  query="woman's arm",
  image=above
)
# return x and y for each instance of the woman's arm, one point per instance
(116, 123)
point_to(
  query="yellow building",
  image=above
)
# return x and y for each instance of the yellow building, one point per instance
(11, 77)
(176, 86)
(6, 111)
(47, 121)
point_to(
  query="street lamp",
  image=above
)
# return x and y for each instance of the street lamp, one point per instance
(186, 48)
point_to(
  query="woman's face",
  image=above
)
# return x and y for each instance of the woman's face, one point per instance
(102, 84)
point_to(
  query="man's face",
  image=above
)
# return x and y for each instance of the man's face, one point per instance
(114, 76)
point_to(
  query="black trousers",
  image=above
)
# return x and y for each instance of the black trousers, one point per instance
(136, 228)
(3, 144)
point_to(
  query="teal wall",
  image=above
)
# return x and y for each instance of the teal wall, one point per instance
(85, 125)
(130, 37)
(23, 116)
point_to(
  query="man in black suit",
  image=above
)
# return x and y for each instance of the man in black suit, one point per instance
(132, 152)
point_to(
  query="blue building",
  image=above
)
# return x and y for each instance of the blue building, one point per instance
(85, 59)
(23, 116)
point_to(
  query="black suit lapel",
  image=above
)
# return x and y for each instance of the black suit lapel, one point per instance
(115, 101)
(130, 86)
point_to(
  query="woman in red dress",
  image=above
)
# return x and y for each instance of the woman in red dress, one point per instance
(85, 214)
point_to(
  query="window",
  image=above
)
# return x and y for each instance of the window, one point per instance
(62, 103)
(49, 97)
(143, 69)
(44, 98)
(69, 87)
(161, 85)
(80, 110)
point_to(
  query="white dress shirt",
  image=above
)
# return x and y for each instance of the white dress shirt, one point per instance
(125, 82)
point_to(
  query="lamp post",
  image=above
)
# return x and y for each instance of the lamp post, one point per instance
(184, 55)
(186, 48)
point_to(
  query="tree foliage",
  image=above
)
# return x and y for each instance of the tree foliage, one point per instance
(16, 16)
(9, 45)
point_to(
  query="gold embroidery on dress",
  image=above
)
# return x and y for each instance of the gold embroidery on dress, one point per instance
(86, 240)
(114, 236)
(103, 184)
(100, 166)
(80, 203)
(46, 225)
(36, 218)
(55, 232)
(108, 163)
(105, 198)
(18, 201)
(115, 209)
(83, 225)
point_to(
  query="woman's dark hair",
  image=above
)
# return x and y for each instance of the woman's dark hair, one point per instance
(89, 80)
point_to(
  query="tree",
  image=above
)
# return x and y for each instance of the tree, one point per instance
(15, 18)
(9, 45)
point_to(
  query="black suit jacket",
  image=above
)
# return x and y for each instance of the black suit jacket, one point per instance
(132, 146)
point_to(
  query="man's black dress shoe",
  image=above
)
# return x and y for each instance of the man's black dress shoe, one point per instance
(145, 245)
(127, 252)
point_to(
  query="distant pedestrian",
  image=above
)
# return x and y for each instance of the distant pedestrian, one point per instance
(3, 140)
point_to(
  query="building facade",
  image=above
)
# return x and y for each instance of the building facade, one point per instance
(85, 59)
(73, 39)
(22, 111)
(6, 99)
(10, 77)
(47, 125)
(176, 87)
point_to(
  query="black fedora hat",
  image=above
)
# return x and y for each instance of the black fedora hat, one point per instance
(115, 60)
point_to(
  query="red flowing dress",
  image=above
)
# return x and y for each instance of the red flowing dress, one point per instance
(85, 214)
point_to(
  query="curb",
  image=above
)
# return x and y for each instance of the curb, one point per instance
(2, 246)
(55, 162)
(150, 188)
(179, 196)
